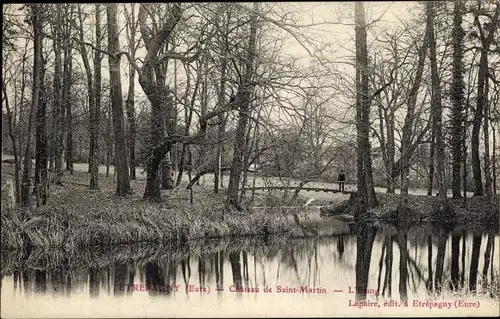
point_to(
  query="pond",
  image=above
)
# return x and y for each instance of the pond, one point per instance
(367, 271)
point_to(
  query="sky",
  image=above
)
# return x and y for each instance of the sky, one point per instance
(337, 28)
(339, 36)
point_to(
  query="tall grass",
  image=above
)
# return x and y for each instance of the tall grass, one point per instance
(77, 218)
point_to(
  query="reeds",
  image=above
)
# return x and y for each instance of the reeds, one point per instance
(77, 218)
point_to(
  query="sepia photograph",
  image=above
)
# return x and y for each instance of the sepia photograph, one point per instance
(250, 159)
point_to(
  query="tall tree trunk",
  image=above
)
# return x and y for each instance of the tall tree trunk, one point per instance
(372, 199)
(436, 103)
(366, 190)
(406, 147)
(152, 82)
(385, 144)
(67, 82)
(464, 150)
(432, 159)
(482, 100)
(246, 157)
(167, 180)
(476, 124)
(130, 103)
(220, 126)
(121, 158)
(361, 175)
(96, 113)
(244, 109)
(457, 97)
(109, 141)
(203, 160)
(486, 132)
(158, 99)
(494, 159)
(188, 115)
(57, 97)
(36, 20)
(391, 151)
(41, 156)
(90, 90)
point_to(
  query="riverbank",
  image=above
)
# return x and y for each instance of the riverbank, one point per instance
(76, 218)
(424, 208)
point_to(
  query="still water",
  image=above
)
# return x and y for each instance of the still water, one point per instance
(367, 271)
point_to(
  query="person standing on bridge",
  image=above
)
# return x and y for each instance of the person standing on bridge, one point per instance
(341, 180)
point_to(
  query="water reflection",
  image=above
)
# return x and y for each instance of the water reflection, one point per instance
(371, 263)
(365, 236)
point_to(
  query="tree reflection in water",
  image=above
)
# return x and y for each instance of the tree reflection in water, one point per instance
(388, 267)
(120, 279)
(186, 271)
(234, 259)
(340, 246)
(365, 234)
(474, 263)
(300, 262)
(403, 265)
(219, 271)
(455, 255)
(94, 287)
(441, 247)
(488, 253)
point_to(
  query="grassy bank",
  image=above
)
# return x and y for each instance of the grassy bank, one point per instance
(77, 217)
(426, 208)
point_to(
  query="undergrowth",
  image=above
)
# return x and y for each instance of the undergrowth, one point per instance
(77, 217)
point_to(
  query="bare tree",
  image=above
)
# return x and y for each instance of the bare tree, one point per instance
(222, 20)
(244, 110)
(95, 111)
(10, 76)
(37, 25)
(121, 158)
(131, 28)
(67, 84)
(437, 108)
(366, 190)
(91, 91)
(41, 157)
(152, 80)
(58, 114)
(457, 97)
(410, 115)
(486, 36)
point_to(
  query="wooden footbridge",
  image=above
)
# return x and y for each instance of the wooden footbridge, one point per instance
(309, 189)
